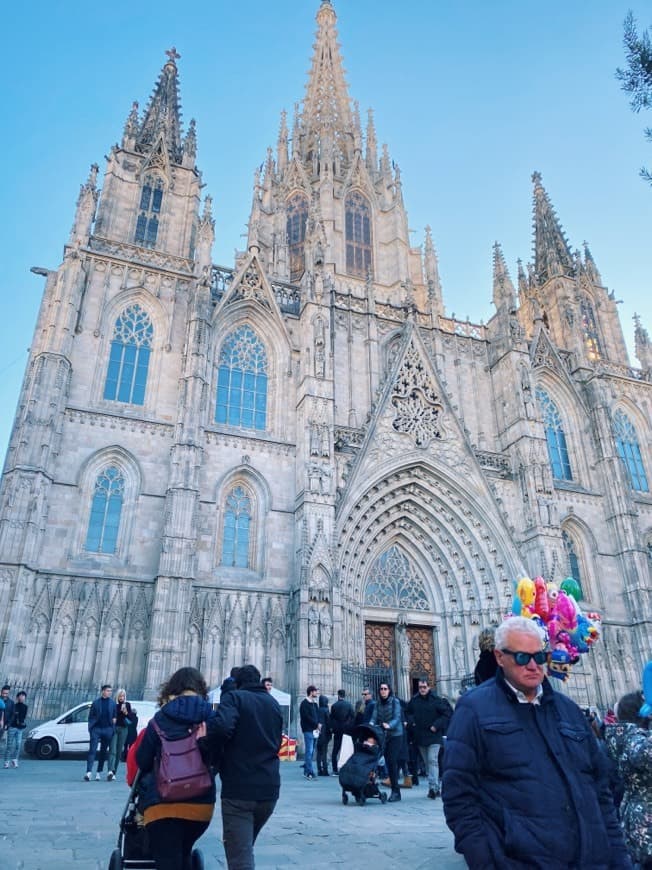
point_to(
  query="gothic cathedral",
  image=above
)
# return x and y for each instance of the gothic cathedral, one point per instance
(300, 460)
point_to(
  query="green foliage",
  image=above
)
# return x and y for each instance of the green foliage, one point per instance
(636, 78)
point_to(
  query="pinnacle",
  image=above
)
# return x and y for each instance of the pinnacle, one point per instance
(163, 114)
(552, 254)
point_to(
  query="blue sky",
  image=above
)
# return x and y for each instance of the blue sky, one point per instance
(471, 97)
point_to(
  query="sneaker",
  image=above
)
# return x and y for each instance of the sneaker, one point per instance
(6, 765)
(87, 776)
(14, 763)
(433, 793)
(97, 777)
(110, 776)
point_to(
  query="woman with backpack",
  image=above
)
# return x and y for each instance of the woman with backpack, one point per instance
(175, 822)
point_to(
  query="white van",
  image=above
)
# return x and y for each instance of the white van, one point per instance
(69, 732)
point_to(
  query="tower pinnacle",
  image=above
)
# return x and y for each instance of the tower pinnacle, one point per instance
(552, 255)
(504, 294)
(163, 114)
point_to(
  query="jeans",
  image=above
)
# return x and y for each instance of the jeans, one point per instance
(309, 741)
(241, 823)
(430, 755)
(14, 742)
(103, 735)
(171, 841)
(117, 744)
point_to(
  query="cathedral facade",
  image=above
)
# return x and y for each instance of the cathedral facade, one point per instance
(300, 460)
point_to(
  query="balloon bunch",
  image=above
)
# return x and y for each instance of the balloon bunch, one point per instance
(569, 632)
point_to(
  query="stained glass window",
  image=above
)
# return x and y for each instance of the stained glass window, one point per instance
(242, 381)
(237, 528)
(104, 522)
(573, 559)
(630, 452)
(358, 234)
(395, 582)
(151, 200)
(555, 437)
(126, 377)
(297, 217)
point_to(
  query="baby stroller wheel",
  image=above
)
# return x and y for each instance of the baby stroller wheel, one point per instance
(383, 797)
(345, 798)
(361, 800)
(196, 860)
(116, 860)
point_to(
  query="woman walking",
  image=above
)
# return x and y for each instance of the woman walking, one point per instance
(174, 827)
(122, 723)
(389, 716)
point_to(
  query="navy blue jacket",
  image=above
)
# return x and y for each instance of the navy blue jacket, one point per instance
(248, 724)
(96, 711)
(525, 786)
(174, 719)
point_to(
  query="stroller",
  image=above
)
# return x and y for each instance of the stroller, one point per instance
(358, 775)
(132, 851)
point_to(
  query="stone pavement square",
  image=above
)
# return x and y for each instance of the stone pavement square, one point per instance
(51, 820)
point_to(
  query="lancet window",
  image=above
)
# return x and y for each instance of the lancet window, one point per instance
(297, 218)
(149, 210)
(395, 582)
(126, 377)
(106, 508)
(358, 234)
(242, 381)
(573, 561)
(629, 451)
(555, 437)
(590, 330)
(236, 536)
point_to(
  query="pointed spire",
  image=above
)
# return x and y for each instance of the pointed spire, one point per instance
(205, 237)
(131, 128)
(642, 344)
(431, 269)
(282, 143)
(371, 157)
(163, 114)
(357, 127)
(591, 268)
(552, 254)
(504, 295)
(523, 288)
(326, 121)
(190, 141)
(296, 130)
(85, 212)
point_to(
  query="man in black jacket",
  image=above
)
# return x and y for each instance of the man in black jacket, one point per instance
(429, 715)
(341, 717)
(309, 717)
(248, 726)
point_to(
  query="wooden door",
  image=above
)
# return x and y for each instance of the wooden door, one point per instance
(380, 648)
(422, 654)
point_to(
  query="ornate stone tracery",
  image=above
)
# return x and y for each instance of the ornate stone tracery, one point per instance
(418, 406)
(394, 582)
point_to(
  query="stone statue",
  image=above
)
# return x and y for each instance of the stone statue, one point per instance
(326, 625)
(313, 625)
(458, 656)
(314, 439)
(320, 349)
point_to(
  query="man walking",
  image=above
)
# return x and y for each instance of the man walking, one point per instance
(8, 710)
(309, 716)
(521, 762)
(101, 725)
(248, 725)
(341, 720)
(428, 716)
(15, 728)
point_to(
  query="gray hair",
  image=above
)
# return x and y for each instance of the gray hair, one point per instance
(517, 623)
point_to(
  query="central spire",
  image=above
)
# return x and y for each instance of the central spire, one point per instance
(326, 126)
(163, 115)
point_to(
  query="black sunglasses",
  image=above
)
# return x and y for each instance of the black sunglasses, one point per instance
(523, 658)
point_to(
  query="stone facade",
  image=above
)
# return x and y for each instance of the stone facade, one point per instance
(301, 460)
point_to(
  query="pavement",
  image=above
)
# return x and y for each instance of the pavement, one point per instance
(50, 819)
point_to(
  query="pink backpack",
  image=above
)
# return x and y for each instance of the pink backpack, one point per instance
(181, 773)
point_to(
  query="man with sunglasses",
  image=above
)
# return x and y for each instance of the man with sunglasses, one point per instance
(525, 783)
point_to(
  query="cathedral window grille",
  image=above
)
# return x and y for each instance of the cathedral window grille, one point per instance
(630, 452)
(358, 235)
(572, 557)
(590, 330)
(149, 210)
(297, 218)
(555, 437)
(237, 529)
(126, 377)
(395, 582)
(242, 381)
(104, 521)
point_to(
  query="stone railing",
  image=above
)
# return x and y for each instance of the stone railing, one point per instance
(142, 256)
(496, 462)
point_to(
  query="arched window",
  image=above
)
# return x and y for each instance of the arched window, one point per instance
(555, 437)
(394, 582)
(242, 381)
(151, 200)
(126, 377)
(358, 234)
(629, 451)
(237, 529)
(573, 565)
(104, 522)
(297, 218)
(590, 330)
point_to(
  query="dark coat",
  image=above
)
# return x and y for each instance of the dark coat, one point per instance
(325, 733)
(342, 717)
(309, 715)
(174, 719)
(391, 713)
(249, 725)
(486, 667)
(525, 785)
(96, 711)
(9, 712)
(356, 773)
(423, 712)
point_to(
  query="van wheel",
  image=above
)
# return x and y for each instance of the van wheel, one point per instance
(46, 749)
(116, 860)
